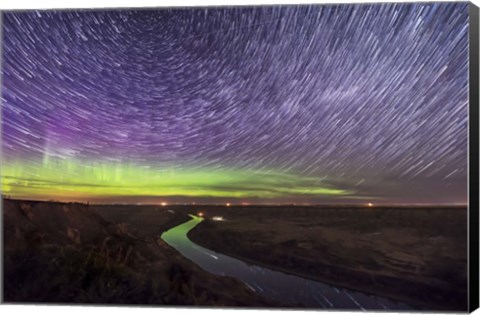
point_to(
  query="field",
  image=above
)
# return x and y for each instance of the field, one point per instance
(113, 254)
(416, 255)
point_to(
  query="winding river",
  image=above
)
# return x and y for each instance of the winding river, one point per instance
(270, 283)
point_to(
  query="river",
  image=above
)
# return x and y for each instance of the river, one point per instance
(273, 284)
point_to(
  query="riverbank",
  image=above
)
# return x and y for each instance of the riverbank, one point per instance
(413, 255)
(68, 253)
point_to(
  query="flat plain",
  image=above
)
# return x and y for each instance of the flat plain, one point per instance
(413, 254)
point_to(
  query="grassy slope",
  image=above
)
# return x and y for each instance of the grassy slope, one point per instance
(68, 253)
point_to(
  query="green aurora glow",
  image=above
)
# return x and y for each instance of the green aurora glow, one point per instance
(68, 179)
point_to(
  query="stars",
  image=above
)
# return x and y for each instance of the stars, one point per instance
(364, 95)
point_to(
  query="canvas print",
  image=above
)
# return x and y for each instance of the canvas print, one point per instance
(301, 156)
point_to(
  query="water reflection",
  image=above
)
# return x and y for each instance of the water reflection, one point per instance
(273, 284)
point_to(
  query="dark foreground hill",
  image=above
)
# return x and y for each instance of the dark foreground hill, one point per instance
(68, 253)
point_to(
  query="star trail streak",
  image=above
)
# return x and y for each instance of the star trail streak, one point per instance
(281, 104)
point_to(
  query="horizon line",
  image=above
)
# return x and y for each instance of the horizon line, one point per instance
(246, 204)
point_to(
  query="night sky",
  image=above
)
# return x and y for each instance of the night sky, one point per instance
(292, 104)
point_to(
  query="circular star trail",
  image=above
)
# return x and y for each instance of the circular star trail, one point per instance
(332, 103)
